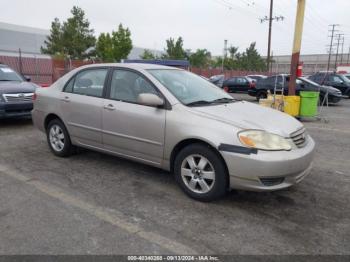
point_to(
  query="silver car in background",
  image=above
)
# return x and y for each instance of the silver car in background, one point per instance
(177, 121)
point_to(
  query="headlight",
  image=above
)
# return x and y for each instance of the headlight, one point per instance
(263, 140)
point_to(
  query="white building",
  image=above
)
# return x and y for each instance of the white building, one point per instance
(29, 40)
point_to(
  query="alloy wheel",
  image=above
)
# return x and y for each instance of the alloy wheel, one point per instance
(56, 137)
(198, 173)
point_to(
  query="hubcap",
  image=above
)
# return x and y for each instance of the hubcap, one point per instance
(197, 173)
(56, 137)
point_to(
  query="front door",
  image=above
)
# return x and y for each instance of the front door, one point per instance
(129, 128)
(81, 105)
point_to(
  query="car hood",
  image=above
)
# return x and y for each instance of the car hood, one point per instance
(8, 87)
(331, 89)
(247, 115)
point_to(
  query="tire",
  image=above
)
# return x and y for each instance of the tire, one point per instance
(203, 182)
(58, 139)
(261, 95)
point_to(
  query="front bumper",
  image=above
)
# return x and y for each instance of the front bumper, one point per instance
(9, 110)
(334, 99)
(269, 170)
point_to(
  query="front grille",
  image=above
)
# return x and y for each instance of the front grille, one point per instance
(20, 97)
(299, 137)
(271, 181)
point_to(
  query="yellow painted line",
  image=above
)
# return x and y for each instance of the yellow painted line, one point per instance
(111, 216)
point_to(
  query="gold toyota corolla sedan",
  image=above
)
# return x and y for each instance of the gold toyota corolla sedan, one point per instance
(177, 121)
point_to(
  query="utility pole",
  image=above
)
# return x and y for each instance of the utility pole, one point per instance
(298, 32)
(270, 70)
(342, 50)
(270, 19)
(224, 55)
(336, 56)
(331, 45)
(269, 40)
(348, 56)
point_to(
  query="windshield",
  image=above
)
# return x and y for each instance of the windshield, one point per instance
(306, 80)
(7, 74)
(344, 78)
(189, 88)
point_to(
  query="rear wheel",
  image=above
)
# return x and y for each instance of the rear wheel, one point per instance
(261, 95)
(201, 173)
(58, 138)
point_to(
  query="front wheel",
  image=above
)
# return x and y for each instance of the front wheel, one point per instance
(58, 138)
(201, 173)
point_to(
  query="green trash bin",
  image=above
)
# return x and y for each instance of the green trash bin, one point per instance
(308, 103)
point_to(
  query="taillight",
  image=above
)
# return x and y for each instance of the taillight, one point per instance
(226, 89)
(34, 96)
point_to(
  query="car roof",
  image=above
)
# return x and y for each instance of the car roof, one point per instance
(136, 66)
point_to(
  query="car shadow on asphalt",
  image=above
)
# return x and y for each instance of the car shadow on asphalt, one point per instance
(232, 198)
(14, 122)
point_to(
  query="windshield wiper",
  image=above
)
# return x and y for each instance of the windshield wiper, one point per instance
(6, 80)
(224, 100)
(198, 103)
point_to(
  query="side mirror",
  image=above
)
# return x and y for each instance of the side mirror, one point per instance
(150, 100)
(27, 78)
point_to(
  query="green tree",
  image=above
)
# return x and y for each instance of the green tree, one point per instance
(114, 47)
(251, 59)
(174, 49)
(54, 40)
(233, 51)
(200, 58)
(147, 54)
(104, 47)
(72, 38)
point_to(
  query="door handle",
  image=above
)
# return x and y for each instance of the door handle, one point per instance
(65, 99)
(109, 107)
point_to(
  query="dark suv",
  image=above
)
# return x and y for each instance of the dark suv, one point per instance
(15, 94)
(338, 81)
(302, 84)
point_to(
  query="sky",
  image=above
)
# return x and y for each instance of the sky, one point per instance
(201, 23)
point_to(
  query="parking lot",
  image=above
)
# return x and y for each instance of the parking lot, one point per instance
(92, 203)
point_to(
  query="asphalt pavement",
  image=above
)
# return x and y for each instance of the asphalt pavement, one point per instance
(93, 203)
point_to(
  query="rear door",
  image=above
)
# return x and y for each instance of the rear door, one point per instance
(129, 128)
(231, 84)
(81, 105)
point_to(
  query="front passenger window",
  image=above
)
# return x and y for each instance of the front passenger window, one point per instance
(127, 86)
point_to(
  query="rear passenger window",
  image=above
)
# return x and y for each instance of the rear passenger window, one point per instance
(89, 82)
